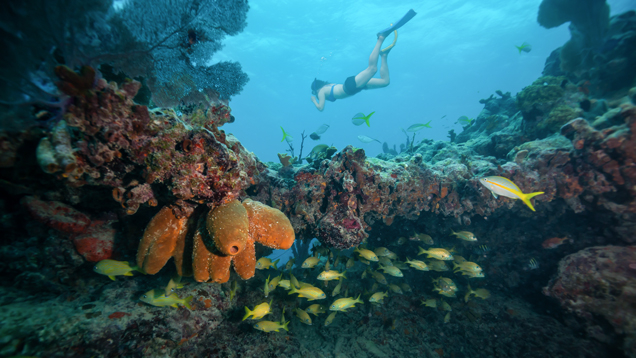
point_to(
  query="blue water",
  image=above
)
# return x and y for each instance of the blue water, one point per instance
(447, 58)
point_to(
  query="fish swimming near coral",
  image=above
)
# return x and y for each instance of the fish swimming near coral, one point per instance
(427, 239)
(467, 266)
(331, 275)
(554, 242)
(259, 311)
(367, 254)
(330, 318)
(159, 299)
(173, 284)
(418, 126)
(318, 132)
(265, 263)
(269, 326)
(525, 47)
(344, 304)
(417, 264)
(233, 289)
(382, 251)
(316, 309)
(350, 263)
(336, 291)
(504, 187)
(465, 121)
(365, 139)
(274, 282)
(480, 292)
(360, 118)
(391, 270)
(310, 293)
(290, 264)
(310, 262)
(378, 297)
(438, 253)
(431, 302)
(286, 137)
(464, 235)
(303, 316)
(112, 268)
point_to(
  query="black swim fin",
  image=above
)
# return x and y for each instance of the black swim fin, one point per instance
(409, 15)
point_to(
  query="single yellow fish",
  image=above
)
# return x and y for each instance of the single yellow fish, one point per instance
(330, 318)
(269, 326)
(286, 284)
(480, 292)
(447, 318)
(392, 271)
(264, 263)
(327, 265)
(159, 299)
(336, 290)
(427, 239)
(173, 284)
(437, 265)
(379, 277)
(344, 304)
(378, 297)
(417, 264)
(310, 262)
(446, 306)
(381, 251)
(439, 254)
(367, 254)
(290, 264)
(385, 261)
(303, 316)
(112, 268)
(350, 263)
(331, 275)
(316, 309)
(467, 266)
(405, 287)
(293, 280)
(445, 286)
(458, 259)
(233, 289)
(259, 311)
(504, 187)
(266, 288)
(431, 302)
(392, 255)
(310, 293)
(275, 282)
(464, 235)
(396, 289)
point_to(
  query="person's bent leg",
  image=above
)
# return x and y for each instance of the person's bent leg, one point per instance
(384, 79)
(363, 77)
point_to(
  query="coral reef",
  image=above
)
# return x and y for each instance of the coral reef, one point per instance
(600, 282)
(225, 235)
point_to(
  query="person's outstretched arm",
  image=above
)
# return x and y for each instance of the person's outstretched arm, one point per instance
(319, 100)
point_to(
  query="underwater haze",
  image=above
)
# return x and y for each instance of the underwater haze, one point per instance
(475, 196)
(451, 55)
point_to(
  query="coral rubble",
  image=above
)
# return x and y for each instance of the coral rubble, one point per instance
(600, 282)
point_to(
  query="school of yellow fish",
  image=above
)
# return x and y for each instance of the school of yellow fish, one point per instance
(380, 261)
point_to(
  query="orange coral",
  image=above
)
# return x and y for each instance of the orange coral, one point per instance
(226, 234)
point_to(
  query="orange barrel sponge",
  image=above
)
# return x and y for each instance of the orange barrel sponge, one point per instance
(160, 240)
(269, 226)
(245, 262)
(206, 263)
(228, 226)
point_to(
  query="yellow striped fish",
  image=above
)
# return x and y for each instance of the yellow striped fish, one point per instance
(504, 187)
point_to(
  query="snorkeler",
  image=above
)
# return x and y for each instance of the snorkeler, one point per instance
(325, 91)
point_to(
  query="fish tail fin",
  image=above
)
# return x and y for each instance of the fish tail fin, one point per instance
(186, 302)
(138, 269)
(422, 251)
(275, 263)
(112, 277)
(366, 119)
(358, 299)
(284, 325)
(293, 289)
(519, 48)
(343, 274)
(247, 313)
(526, 198)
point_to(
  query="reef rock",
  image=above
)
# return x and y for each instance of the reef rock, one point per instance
(600, 282)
